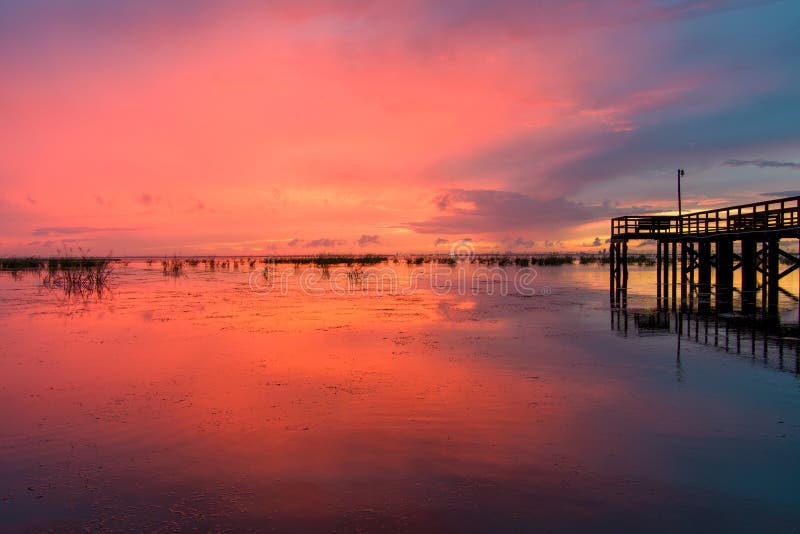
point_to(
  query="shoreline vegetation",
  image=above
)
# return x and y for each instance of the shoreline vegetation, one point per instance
(177, 265)
(91, 276)
(75, 276)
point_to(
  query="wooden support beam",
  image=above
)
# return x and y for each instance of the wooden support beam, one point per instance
(748, 275)
(625, 273)
(618, 272)
(684, 281)
(724, 276)
(794, 260)
(658, 275)
(611, 267)
(773, 275)
(666, 273)
(674, 273)
(763, 271)
(704, 277)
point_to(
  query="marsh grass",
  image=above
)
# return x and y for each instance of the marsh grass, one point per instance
(554, 259)
(75, 275)
(641, 260)
(356, 275)
(323, 260)
(369, 259)
(594, 259)
(79, 281)
(172, 266)
(78, 276)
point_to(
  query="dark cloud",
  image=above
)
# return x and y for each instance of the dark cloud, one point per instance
(146, 199)
(494, 211)
(789, 193)
(442, 201)
(325, 242)
(761, 163)
(368, 240)
(699, 102)
(294, 242)
(440, 241)
(23, 19)
(73, 230)
(524, 243)
(597, 242)
(665, 138)
(647, 243)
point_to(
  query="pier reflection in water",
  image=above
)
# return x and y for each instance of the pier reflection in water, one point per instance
(774, 344)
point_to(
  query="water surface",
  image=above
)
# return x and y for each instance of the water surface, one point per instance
(198, 403)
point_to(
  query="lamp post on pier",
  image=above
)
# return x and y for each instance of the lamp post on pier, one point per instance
(681, 173)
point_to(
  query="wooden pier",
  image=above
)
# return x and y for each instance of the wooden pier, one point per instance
(698, 253)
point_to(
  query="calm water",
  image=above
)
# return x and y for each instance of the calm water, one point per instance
(198, 403)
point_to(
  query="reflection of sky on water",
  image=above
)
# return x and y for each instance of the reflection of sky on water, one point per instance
(198, 402)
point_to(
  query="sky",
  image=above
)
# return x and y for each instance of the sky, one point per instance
(155, 127)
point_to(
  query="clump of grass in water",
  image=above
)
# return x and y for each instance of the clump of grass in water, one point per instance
(78, 276)
(356, 275)
(172, 266)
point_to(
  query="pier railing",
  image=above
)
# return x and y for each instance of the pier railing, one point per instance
(771, 215)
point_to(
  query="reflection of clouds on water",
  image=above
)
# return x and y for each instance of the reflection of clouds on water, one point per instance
(392, 403)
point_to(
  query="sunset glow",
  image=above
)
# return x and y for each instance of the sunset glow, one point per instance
(142, 128)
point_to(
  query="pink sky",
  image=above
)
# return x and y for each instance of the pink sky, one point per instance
(216, 127)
